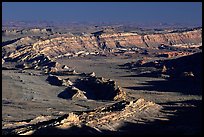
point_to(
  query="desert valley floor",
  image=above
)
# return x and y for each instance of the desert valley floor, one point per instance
(101, 82)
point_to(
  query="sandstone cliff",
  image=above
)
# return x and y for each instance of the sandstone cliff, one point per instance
(26, 48)
(90, 43)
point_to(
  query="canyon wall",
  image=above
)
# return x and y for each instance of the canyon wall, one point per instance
(92, 43)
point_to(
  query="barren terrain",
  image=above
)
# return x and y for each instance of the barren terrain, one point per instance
(102, 81)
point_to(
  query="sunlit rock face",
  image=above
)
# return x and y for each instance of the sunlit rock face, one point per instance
(63, 45)
(40, 53)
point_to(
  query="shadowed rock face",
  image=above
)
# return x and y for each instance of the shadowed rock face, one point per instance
(93, 88)
(54, 80)
(101, 89)
(187, 67)
(184, 67)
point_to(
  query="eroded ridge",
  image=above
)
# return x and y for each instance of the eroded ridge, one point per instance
(100, 118)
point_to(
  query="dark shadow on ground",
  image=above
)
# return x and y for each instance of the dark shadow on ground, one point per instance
(152, 75)
(190, 87)
(187, 120)
(175, 68)
(65, 94)
(10, 42)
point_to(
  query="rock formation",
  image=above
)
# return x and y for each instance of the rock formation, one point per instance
(33, 52)
(54, 80)
(42, 53)
(172, 54)
(99, 88)
(188, 66)
(101, 118)
(90, 87)
(74, 93)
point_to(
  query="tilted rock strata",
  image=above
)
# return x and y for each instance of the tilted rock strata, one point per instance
(194, 36)
(27, 48)
(65, 45)
(99, 118)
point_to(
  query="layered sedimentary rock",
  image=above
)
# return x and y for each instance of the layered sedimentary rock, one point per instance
(26, 48)
(191, 37)
(23, 55)
(100, 118)
(92, 43)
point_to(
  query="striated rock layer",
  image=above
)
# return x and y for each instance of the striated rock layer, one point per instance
(63, 45)
(101, 118)
(30, 49)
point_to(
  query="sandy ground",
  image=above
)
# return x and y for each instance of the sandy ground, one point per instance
(28, 96)
(109, 67)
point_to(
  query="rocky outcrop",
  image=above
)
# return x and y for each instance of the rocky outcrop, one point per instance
(54, 80)
(101, 118)
(112, 40)
(71, 92)
(98, 88)
(3, 61)
(190, 37)
(189, 66)
(57, 81)
(90, 87)
(172, 54)
(36, 52)
(25, 57)
(185, 67)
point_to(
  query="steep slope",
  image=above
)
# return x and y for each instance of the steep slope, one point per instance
(27, 48)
